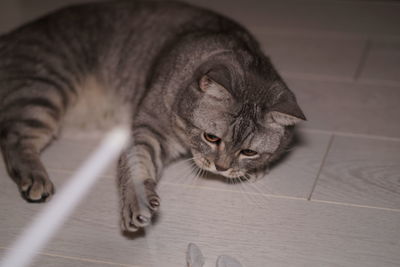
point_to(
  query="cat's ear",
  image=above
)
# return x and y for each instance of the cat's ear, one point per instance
(213, 88)
(286, 113)
(194, 257)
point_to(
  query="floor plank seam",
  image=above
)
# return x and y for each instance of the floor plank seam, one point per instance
(312, 77)
(363, 60)
(335, 203)
(328, 78)
(367, 136)
(353, 205)
(349, 134)
(321, 166)
(233, 191)
(331, 34)
(276, 196)
(71, 172)
(80, 259)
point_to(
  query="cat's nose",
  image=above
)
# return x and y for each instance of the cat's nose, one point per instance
(221, 168)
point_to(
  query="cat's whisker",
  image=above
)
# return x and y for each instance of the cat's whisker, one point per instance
(186, 171)
(261, 190)
(189, 159)
(247, 197)
(253, 182)
(196, 171)
(193, 176)
(193, 173)
(254, 198)
(188, 179)
(201, 174)
(179, 176)
(189, 162)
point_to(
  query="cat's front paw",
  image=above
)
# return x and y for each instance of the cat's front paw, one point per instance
(32, 179)
(139, 207)
(36, 187)
(137, 213)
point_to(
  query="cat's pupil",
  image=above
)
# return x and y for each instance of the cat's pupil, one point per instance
(212, 138)
(248, 152)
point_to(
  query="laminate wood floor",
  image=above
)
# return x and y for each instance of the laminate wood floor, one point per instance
(333, 201)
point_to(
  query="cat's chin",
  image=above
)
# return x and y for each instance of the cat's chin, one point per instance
(208, 166)
(229, 174)
(222, 175)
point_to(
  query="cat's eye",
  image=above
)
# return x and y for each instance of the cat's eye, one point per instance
(212, 138)
(248, 152)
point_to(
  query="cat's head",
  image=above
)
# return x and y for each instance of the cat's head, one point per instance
(237, 122)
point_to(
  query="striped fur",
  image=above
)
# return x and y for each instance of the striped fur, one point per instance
(141, 63)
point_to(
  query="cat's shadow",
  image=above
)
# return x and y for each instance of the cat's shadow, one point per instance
(141, 232)
(134, 235)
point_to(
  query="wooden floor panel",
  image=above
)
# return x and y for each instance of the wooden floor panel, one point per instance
(361, 171)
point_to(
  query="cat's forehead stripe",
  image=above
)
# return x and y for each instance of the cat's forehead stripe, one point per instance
(241, 130)
(243, 124)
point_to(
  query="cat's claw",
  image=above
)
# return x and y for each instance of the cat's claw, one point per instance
(138, 219)
(154, 203)
(135, 221)
(142, 219)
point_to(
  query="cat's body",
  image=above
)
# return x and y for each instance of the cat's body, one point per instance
(188, 80)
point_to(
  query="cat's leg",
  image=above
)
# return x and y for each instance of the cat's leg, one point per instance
(138, 172)
(29, 119)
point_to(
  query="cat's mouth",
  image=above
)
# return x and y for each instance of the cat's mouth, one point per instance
(209, 166)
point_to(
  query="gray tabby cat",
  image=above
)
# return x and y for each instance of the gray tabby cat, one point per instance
(193, 81)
